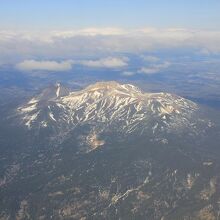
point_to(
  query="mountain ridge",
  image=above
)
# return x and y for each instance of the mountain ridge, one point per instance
(110, 106)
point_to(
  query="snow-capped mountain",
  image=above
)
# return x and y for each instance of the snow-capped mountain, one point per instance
(110, 106)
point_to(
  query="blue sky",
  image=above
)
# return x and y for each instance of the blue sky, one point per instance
(50, 14)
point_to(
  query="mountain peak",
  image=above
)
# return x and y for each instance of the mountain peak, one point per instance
(52, 92)
(113, 87)
(104, 84)
(58, 89)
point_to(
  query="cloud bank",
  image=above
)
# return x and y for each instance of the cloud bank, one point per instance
(16, 46)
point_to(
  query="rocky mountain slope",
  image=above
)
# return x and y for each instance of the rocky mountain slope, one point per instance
(110, 151)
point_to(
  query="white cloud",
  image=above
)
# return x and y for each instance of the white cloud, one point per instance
(151, 59)
(29, 65)
(128, 73)
(149, 70)
(109, 62)
(156, 68)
